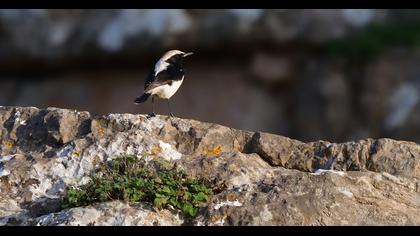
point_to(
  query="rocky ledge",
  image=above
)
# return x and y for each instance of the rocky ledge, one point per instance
(268, 179)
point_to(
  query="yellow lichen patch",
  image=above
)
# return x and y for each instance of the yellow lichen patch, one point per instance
(8, 144)
(101, 130)
(215, 151)
(97, 127)
(77, 153)
(155, 150)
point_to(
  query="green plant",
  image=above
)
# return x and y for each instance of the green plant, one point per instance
(132, 180)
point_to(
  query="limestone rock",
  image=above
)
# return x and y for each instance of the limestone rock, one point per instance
(268, 179)
(111, 213)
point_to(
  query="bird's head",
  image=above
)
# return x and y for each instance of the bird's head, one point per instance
(172, 57)
(175, 56)
(175, 53)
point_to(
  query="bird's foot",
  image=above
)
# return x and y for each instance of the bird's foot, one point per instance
(171, 114)
(150, 115)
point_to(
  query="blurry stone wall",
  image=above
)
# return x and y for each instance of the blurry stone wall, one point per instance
(308, 74)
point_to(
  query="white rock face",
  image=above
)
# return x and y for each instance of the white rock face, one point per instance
(227, 203)
(168, 152)
(110, 214)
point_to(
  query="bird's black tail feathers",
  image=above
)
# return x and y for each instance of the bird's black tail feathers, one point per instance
(142, 98)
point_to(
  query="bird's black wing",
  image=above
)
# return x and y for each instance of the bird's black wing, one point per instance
(166, 76)
(150, 78)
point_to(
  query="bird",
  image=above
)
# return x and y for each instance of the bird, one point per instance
(164, 79)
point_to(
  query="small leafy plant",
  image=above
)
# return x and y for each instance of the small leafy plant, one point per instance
(132, 180)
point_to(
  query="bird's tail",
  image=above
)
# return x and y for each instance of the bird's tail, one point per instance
(142, 98)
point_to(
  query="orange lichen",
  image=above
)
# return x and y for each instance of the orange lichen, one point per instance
(215, 151)
(8, 144)
(101, 131)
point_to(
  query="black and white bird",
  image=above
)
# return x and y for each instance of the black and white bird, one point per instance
(165, 79)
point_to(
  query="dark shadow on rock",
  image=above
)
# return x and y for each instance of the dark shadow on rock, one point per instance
(32, 210)
(30, 159)
(84, 128)
(42, 206)
(10, 122)
(187, 142)
(249, 146)
(52, 123)
(37, 134)
(49, 154)
(265, 187)
(15, 220)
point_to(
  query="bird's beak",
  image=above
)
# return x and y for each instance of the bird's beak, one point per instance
(188, 54)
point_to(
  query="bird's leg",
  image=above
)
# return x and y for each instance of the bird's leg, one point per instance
(153, 109)
(169, 106)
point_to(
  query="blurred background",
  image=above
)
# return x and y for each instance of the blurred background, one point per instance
(335, 75)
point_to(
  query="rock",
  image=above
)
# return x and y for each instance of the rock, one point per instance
(109, 214)
(268, 179)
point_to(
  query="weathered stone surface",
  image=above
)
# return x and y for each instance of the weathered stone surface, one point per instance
(268, 179)
(111, 213)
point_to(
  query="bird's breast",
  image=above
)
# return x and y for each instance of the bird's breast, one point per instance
(168, 90)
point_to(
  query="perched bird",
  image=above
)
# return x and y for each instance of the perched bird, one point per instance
(165, 79)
